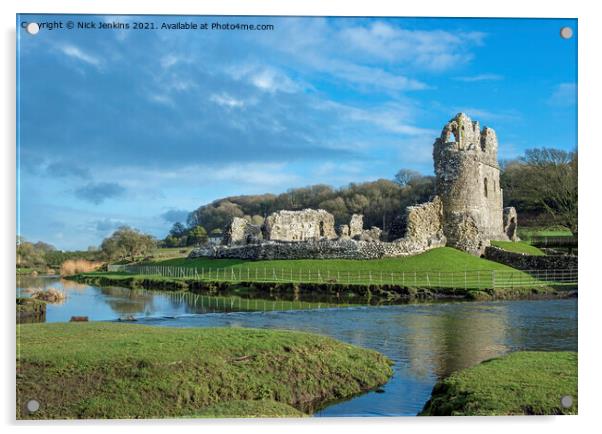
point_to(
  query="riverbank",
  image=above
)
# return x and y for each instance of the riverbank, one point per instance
(521, 383)
(108, 370)
(343, 292)
(30, 310)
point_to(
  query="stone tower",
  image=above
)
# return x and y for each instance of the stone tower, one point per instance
(468, 183)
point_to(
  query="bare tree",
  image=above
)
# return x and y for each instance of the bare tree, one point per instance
(550, 178)
(406, 176)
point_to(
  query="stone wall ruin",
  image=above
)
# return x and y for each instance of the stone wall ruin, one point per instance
(305, 225)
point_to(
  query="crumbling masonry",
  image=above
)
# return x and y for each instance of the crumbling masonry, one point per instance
(467, 212)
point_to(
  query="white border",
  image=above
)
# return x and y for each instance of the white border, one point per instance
(590, 304)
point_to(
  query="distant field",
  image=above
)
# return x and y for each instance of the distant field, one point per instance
(518, 247)
(526, 233)
(171, 253)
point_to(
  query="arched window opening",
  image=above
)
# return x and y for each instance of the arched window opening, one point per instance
(455, 132)
(321, 229)
(485, 187)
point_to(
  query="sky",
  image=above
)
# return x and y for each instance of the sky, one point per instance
(142, 126)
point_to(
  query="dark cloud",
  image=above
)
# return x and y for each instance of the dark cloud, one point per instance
(98, 192)
(175, 215)
(63, 169)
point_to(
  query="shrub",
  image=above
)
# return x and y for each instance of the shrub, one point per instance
(76, 266)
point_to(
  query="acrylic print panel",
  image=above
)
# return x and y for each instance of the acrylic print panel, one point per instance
(295, 216)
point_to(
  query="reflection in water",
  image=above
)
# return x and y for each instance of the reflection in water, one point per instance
(426, 341)
(128, 302)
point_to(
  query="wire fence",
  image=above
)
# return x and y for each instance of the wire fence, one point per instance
(428, 279)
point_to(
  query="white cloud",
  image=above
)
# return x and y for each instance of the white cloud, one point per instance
(267, 79)
(161, 99)
(226, 100)
(368, 75)
(254, 174)
(480, 77)
(433, 50)
(564, 95)
(377, 55)
(257, 174)
(395, 118)
(77, 53)
(168, 61)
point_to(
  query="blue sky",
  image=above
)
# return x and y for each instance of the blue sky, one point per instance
(140, 127)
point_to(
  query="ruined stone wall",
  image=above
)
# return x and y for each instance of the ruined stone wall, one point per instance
(522, 261)
(240, 231)
(308, 224)
(468, 183)
(344, 248)
(511, 223)
(424, 221)
(356, 225)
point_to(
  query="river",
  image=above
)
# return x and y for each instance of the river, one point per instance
(425, 340)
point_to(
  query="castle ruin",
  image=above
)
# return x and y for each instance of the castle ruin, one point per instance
(466, 212)
(467, 179)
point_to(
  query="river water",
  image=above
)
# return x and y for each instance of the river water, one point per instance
(426, 341)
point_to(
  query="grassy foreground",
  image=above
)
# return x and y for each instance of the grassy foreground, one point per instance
(107, 370)
(518, 247)
(521, 383)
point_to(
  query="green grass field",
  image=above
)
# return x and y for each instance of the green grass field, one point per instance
(527, 233)
(109, 370)
(518, 247)
(444, 259)
(517, 384)
(442, 267)
(438, 268)
(170, 253)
